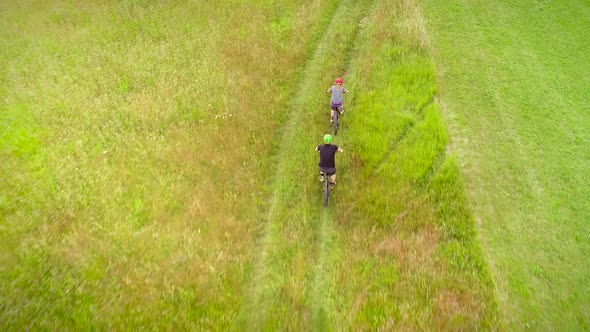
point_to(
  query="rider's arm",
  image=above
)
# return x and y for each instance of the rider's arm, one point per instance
(346, 91)
(329, 90)
(317, 148)
(340, 150)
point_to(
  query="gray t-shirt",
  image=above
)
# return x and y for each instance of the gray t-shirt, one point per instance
(337, 95)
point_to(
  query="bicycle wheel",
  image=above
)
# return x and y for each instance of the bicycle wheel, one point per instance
(326, 189)
(336, 122)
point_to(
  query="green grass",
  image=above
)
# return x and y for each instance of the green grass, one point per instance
(161, 171)
(405, 212)
(134, 149)
(399, 252)
(514, 79)
(279, 297)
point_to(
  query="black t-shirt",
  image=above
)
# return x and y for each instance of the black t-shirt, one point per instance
(327, 153)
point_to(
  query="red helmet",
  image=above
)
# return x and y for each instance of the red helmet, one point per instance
(338, 80)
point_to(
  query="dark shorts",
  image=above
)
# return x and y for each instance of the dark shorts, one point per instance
(336, 107)
(328, 170)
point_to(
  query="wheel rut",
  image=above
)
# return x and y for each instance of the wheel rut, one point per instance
(295, 231)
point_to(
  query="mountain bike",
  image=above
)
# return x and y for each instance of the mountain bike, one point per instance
(336, 119)
(325, 187)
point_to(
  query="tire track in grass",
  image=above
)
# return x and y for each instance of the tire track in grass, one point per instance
(329, 248)
(323, 284)
(277, 295)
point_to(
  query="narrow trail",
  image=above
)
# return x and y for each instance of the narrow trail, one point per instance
(323, 284)
(289, 275)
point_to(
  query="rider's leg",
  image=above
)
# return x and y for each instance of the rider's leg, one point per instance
(333, 181)
(332, 115)
(333, 178)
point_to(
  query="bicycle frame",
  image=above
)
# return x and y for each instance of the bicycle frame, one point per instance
(336, 119)
(326, 189)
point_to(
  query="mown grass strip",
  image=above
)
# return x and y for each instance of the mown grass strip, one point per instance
(514, 79)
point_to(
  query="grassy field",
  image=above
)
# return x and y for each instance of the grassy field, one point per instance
(158, 170)
(135, 149)
(514, 80)
(398, 253)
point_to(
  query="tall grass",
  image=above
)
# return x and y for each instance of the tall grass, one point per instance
(133, 144)
(396, 249)
(410, 258)
(161, 171)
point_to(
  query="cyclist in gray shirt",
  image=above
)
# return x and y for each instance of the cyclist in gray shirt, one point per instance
(337, 100)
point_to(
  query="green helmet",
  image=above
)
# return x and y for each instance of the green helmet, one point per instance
(328, 138)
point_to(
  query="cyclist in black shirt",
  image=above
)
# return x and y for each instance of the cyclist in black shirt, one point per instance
(327, 163)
